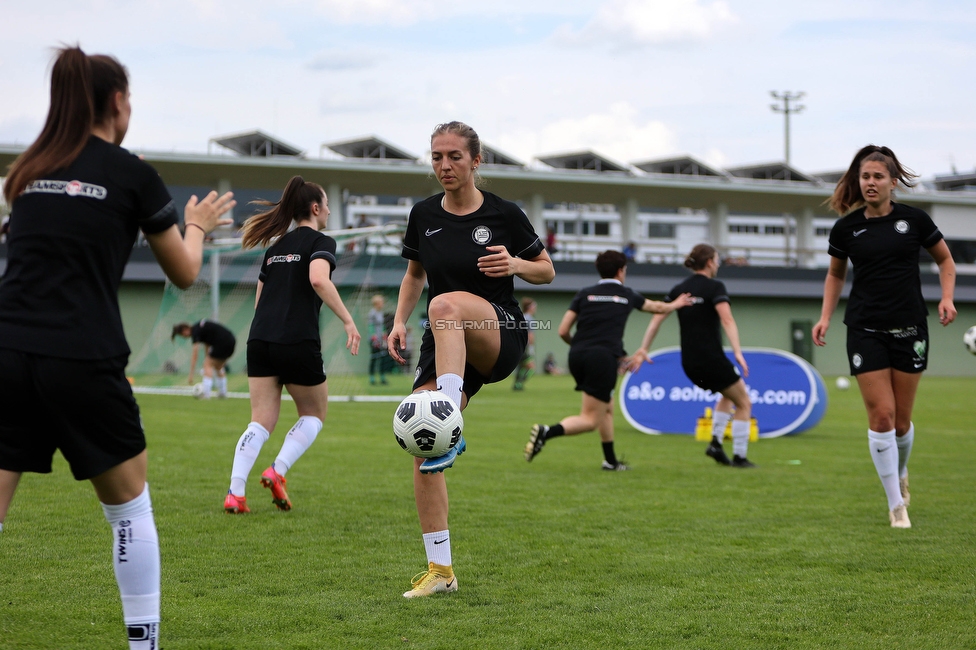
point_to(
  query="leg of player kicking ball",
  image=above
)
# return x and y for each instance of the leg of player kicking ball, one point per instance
(265, 407)
(720, 419)
(311, 402)
(453, 347)
(740, 423)
(124, 495)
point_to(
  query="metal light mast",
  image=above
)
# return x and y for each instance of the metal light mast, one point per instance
(786, 97)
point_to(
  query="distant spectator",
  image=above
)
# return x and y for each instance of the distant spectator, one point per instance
(630, 251)
(377, 340)
(551, 241)
(550, 367)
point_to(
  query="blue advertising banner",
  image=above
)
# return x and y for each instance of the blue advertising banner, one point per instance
(788, 394)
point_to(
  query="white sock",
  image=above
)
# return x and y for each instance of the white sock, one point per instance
(740, 438)
(248, 448)
(207, 385)
(135, 557)
(905, 449)
(438, 546)
(221, 383)
(450, 384)
(720, 419)
(884, 453)
(297, 442)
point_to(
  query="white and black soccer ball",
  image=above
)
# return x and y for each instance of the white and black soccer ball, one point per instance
(427, 424)
(969, 339)
(198, 390)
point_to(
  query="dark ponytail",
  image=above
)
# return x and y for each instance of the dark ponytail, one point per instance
(81, 90)
(295, 205)
(699, 256)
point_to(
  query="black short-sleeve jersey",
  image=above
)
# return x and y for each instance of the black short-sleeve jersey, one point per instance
(887, 290)
(448, 246)
(211, 333)
(602, 311)
(701, 337)
(71, 234)
(288, 309)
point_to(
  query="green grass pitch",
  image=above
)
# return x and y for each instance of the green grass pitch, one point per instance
(677, 553)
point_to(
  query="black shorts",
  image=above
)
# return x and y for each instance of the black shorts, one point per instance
(595, 372)
(905, 349)
(514, 338)
(714, 374)
(85, 408)
(292, 363)
(221, 351)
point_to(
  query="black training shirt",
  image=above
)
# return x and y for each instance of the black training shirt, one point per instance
(288, 309)
(212, 334)
(71, 234)
(448, 246)
(701, 337)
(887, 291)
(602, 311)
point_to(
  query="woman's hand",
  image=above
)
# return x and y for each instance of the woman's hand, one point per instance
(636, 360)
(352, 337)
(820, 330)
(684, 300)
(498, 264)
(396, 340)
(947, 312)
(206, 214)
(742, 362)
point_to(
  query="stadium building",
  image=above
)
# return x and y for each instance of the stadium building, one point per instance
(769, 222)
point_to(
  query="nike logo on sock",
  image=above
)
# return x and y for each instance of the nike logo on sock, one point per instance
(881, 451)
(440, 541)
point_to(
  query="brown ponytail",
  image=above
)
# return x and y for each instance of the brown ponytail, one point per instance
(847, 194)
(81, 90)
(295, 205)
(699, 256)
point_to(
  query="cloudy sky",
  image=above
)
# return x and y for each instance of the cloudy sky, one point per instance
(631, 79)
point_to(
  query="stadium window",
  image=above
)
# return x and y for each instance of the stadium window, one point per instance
(744, 228)
(774, 230)
(584, 227)
(601, 228)
(661, 230)
(822, 232)
(569, 227)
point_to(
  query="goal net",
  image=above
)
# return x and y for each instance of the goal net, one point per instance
(225, 290)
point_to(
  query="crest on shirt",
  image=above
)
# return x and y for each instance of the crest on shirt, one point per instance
(481, 235)
(901, 226)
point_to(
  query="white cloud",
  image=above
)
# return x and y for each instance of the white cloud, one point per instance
(616, 134)
(341, 60)
(389, 12)
(641, 23)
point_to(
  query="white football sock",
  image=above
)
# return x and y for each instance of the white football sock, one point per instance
(221, 384)
(248, 448)
(438, 546)
(450, 384)
(207, 385)
(720, 419)
(884, 453)
(740, 438)
(135, 557)
(905, 449)
(297, 442)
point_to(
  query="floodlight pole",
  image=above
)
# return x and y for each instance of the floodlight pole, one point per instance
(786, 97)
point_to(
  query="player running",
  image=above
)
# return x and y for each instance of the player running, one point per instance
(78, 201)
(887, 335)
(467, 245)
(702, 357)
(218, 343)
(596, 352)
(283, 347)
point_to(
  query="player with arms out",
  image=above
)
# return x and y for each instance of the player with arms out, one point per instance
(467, 245)
(596, 352)
(887, 334)
(78, 201)
(284, 346)
(218, 343)
(702, 357)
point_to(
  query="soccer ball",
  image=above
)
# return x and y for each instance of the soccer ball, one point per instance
(427, 424)
(969, 339)
(198, 390)
(843, 383)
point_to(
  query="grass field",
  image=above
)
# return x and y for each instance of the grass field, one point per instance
(678, 553)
